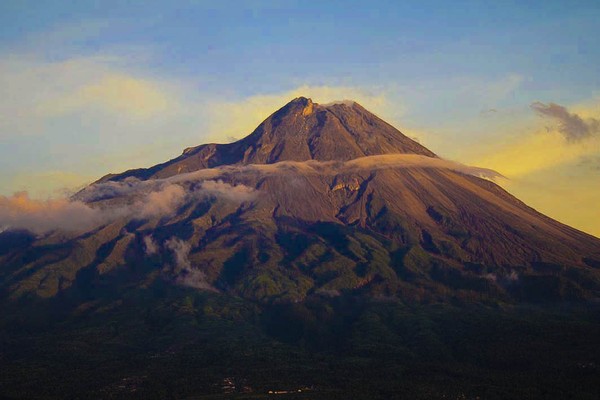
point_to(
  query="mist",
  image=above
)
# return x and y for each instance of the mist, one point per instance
(104, 203)
(186, 274)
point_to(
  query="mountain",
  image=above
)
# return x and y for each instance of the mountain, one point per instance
(318, 199)
(326, 240)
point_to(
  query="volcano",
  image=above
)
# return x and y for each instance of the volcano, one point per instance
(318, 199)
(299, 228)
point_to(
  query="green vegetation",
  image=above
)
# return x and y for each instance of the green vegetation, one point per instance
(335, 311)
(166, 341)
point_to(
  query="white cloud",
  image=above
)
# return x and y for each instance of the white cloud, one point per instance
(165, 201)
(187, 275)
(40, 216)
(328, 168)
(135, 200)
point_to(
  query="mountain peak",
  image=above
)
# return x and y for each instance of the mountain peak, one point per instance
(301, 100)
(301, 105)
(299, 131)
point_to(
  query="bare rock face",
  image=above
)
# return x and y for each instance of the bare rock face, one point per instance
(294, 210)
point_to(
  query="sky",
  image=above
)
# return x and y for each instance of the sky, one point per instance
(88, 88)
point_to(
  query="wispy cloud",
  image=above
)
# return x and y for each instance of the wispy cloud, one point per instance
(137, 200)
(114, 93)
(181, 251)
(186, 274)
(21, 212)
(36, 90)
(164, 193)
(329, 168)
(573, 127)
(165, 201)
(150, 245)
(237, 193)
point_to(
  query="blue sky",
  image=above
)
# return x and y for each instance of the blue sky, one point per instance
(95, 87)
(235, 45)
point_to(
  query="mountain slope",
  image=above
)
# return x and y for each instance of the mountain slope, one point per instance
(317, 200)
(326, 252)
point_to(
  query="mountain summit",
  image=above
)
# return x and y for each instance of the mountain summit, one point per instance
(299, 131)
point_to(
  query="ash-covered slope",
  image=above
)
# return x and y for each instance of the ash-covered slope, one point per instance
(318, 200)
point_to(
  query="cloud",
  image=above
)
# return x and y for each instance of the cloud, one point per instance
(503, 279)
(340, 102)
(39, 216)
(165, 195)
(570, 125)
(103, 203)
(186, 274)
(417, 161)
(181, 251)
(212, 179)
(114, 92)
(150, 245)
(165, 201)
(238, 193)
(131, 199)
(37, 91)
(109, 190)
(312, 167)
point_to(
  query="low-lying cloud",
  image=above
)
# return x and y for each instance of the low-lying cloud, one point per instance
(238, 193)
(313, 167)
(162, 202)
(181, 251)
(150, 246)
(39, 216)
(186, 274)
(573, 127)
(102, 203)
(131, 199)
